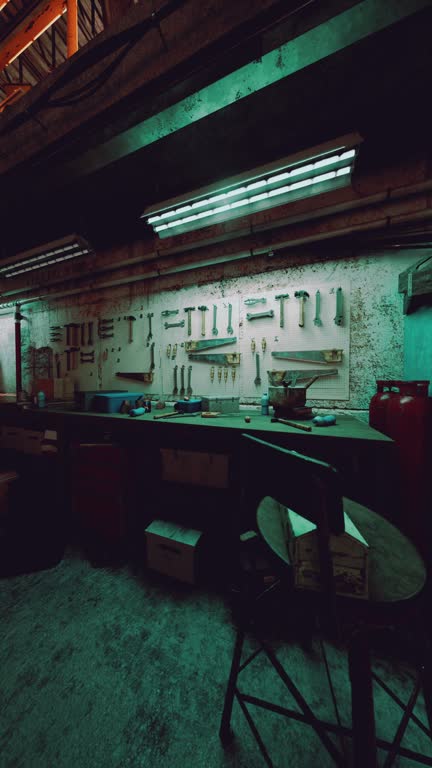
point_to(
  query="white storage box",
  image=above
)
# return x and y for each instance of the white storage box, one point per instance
(172, 549)
(349, 552)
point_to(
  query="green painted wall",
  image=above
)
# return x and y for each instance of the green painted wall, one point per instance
(418, 345)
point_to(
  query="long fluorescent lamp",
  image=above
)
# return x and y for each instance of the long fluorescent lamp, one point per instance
(308, 173)
(45, 255)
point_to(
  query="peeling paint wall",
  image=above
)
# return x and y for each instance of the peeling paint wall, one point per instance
(7, 354)
(376, 317)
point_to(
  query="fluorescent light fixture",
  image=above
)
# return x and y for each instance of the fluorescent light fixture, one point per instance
(3, 4)
(307, 173)
(45, 255)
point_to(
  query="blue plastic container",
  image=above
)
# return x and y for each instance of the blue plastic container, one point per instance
(84, 398)
(188, 406)
(110, 402)
(265, 404)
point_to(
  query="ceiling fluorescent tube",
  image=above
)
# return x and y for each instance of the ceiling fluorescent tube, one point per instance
(69, 247)
(311, 172)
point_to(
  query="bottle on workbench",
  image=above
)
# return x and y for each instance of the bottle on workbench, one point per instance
(41, 399)
(264, 404)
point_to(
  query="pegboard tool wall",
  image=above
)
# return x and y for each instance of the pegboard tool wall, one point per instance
(372, 327)
(263, 336)
(229, 317)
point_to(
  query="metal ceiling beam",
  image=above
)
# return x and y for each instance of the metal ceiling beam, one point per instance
(72, 27)
(29, 29)
(189, 27)
(338, 33)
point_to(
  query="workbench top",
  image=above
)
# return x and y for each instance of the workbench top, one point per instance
(347, 427)
(364, 456)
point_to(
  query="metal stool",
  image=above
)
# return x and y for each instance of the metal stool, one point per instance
(397, 579)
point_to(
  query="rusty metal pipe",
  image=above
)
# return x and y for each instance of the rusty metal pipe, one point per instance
(72, 27)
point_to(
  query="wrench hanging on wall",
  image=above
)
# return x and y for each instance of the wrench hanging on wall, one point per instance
(339, 307)
(189, 386)
(229, 326)
(182, 381)
(317, 318)
(150, 334)
(214, 329)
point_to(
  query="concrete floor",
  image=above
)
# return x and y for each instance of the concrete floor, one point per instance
(109, 669)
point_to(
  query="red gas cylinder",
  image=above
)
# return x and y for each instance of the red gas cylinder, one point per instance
(387, 389)
(408, 417)
(409, 423)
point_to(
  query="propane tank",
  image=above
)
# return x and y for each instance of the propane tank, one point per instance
(409, 419)
(387, 389)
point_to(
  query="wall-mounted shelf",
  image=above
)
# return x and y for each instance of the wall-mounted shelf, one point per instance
(416, 284)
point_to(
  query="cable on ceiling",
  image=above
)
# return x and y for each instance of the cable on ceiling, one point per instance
(90, 57)
(128, 37)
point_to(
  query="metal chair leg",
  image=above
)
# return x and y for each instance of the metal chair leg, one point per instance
(427, 687)
(225, 733)
(363, 718)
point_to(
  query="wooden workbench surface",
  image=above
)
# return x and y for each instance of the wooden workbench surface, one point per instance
(364, 456)
(347, 427)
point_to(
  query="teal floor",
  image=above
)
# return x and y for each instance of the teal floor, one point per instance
(111, 669)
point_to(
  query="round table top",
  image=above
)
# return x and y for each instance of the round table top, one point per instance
(396, 570)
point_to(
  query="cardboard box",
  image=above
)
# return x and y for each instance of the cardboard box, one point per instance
(58, 389)
(68, 389)
(32, 441)
(13, 438)
(349, 552)
(172, 550)
(209, 470)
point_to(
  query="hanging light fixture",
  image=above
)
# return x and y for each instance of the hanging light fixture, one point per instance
(45, 255)
(306, 173)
